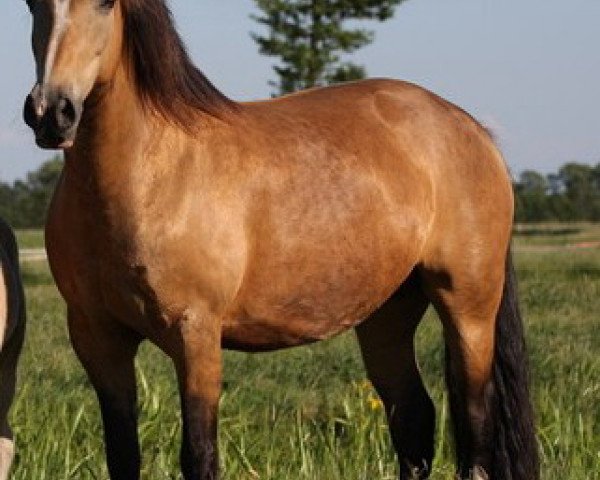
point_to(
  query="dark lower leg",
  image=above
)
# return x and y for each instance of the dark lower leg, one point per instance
(107, 352)
(199, 455)
(411, 418)
(386, 342)
(119, 416)
(7, 391)
(471, 407)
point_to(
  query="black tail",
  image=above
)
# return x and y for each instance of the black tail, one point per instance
(508, 418)
(515, 452)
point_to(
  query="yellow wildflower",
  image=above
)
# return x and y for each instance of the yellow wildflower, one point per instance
(375, 403)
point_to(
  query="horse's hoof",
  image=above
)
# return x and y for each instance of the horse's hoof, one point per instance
(479, 473)
(415, 473)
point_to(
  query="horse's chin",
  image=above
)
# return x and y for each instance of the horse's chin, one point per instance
(54, 143)
(66, 144)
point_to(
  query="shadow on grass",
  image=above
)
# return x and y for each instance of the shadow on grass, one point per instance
(546, 231)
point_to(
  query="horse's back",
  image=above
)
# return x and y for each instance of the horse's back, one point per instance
(419, 146)
(392, 122)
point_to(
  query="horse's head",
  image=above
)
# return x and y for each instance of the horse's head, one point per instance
(76, 47)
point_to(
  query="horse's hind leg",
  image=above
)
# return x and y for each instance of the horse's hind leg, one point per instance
(8, 371)
(107, 352)
(467, 301)
(387, 344)
(486, 367)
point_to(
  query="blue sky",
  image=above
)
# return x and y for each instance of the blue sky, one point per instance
(528, 69)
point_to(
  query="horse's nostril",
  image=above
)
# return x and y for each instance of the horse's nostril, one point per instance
(29, 112)
(66, 114)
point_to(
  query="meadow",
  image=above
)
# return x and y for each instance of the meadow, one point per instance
(309, 413)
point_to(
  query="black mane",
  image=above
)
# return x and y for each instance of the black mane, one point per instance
(166, 79)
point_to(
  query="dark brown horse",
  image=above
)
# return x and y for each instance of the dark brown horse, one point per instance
(12, 330)
(199, 223)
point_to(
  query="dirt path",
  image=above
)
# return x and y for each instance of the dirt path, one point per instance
(557, 248)
(32, 254)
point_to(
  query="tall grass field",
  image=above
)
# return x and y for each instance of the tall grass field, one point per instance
(309, 413)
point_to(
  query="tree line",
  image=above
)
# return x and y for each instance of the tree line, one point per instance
(571, 194)
(23, 204)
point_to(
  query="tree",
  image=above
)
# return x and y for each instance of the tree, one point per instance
(25, 203)
(581, 189)
(572, 194)
(531, 192)
(311, 35)
(40, 186)
(532, 182)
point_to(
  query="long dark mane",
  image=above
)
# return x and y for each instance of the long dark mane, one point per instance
(166, 80)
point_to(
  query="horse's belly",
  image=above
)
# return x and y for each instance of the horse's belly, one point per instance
(293, 323)
(314, 297)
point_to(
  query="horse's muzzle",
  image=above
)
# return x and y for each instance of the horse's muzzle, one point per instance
(53, 116)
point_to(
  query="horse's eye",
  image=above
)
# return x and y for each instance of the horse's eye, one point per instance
(107, 4)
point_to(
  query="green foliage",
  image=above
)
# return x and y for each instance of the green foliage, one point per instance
(310, 35)
(24, 203)
(573, 194)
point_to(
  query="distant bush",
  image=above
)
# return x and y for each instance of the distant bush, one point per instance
(572, 194)
(24, 203)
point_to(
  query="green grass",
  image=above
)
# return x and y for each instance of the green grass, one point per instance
(308, 413)
(556, 234)
(30, 238)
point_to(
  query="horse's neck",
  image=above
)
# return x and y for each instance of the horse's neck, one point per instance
(114, 135)
(112, 123)
(120, 154)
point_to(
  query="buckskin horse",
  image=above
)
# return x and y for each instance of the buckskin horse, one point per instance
(12, 330)
(200, 223)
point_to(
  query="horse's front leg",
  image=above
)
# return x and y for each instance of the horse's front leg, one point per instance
(8, 372)
(107, 351)
(199, 369)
